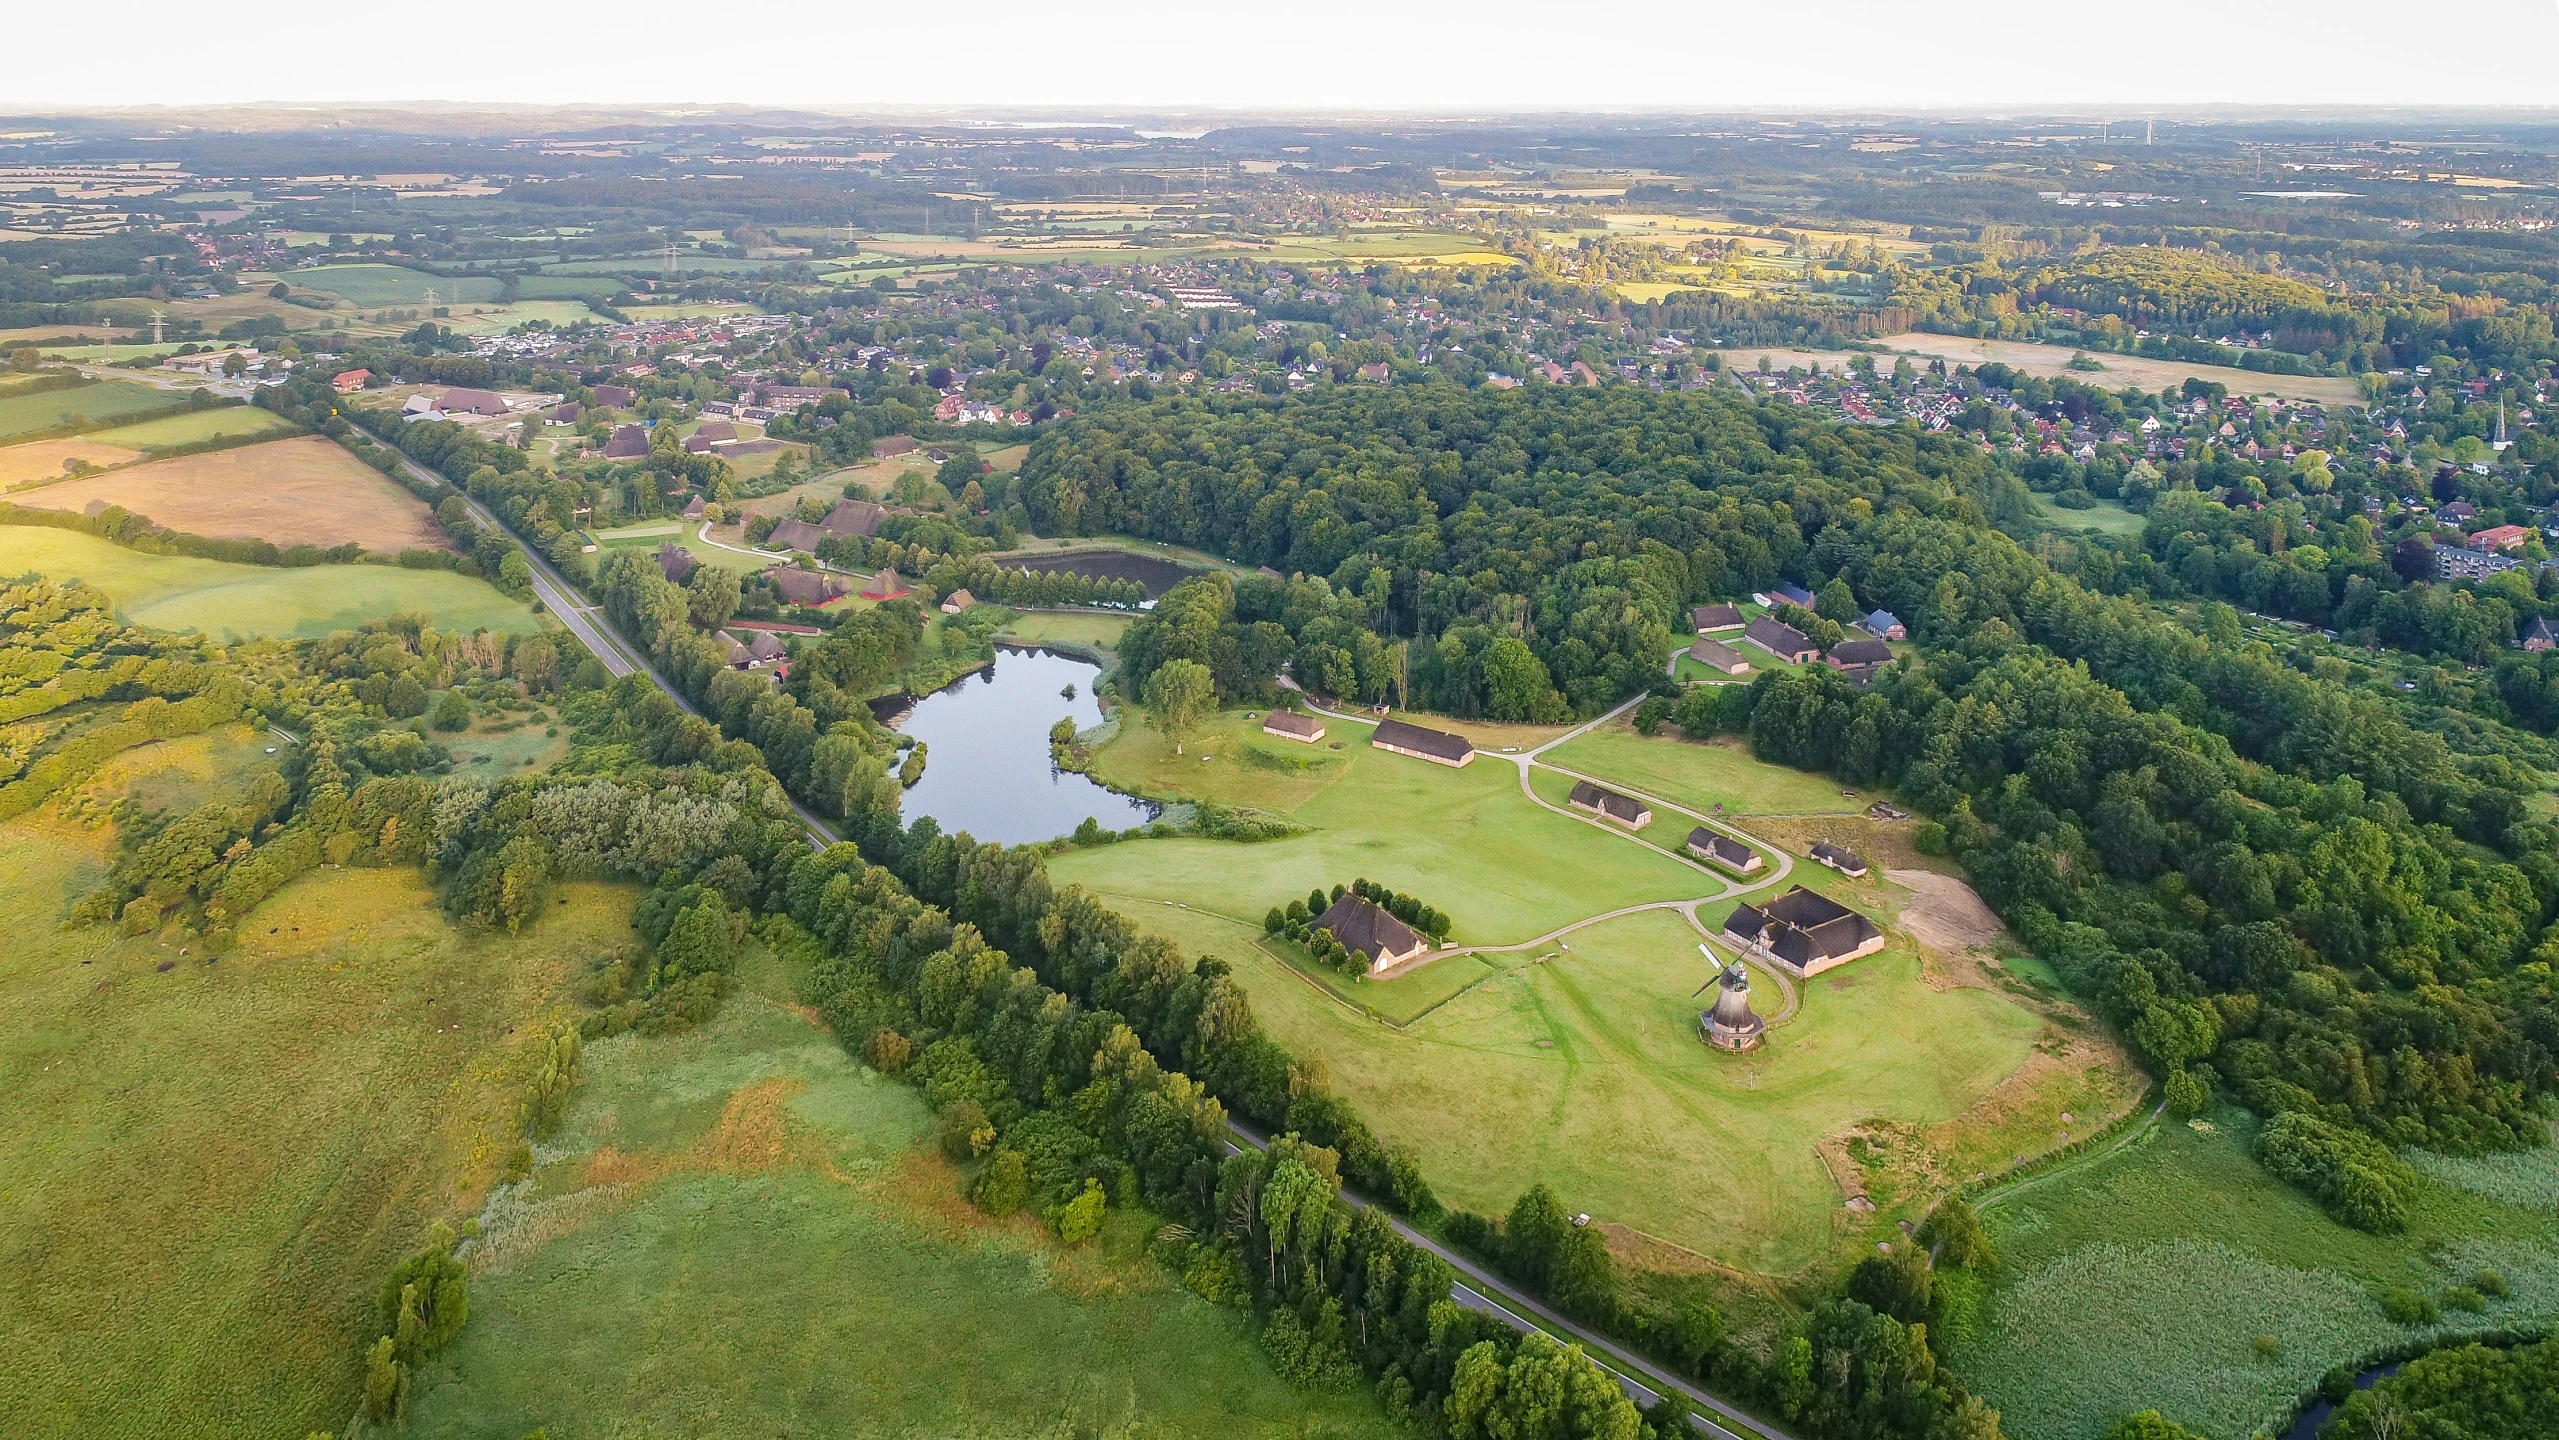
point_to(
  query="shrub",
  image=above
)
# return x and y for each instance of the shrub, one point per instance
(2187, 1094)
(963, 1131)
(2462, 1297)
(1080, 1219)
(887, 1051)
(2268, 1347)
(2489, 1282)
(2350, 1173)
(1954, 1233)
(2406, 1307)
(1003, 1185)
(452, 712)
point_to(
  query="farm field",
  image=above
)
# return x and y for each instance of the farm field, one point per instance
(44, 459)
(1700, 776)
(710, 1252)
(2143, 1277)
(1465, 840)
(98, 403)
(307, 490)
(375, 285)
(194, 427)
(177, 592)
(2139, 371)
(210, 1164)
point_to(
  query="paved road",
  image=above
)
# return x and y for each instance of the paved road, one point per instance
(593, 631)
(1481, 1290)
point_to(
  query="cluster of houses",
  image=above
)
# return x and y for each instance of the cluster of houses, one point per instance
(1857, 657)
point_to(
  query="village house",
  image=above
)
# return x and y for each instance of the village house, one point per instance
(957, 601)
(1718, 655)
(1858, 659)
(566, 413)
(892, 447)
(854, 517)
(2538, 636)
(884, 586)
(676, 563)
(1720, 849)
(1782, 640)
(1289, 725)
(1438, 747)
(695, 509)
(794, 535)
(2497, 539)
(1626, 810)
(1714, 619)
(472, 402)
(1791, 593)
(619, 397)
(347, 382)
(1884, 625)
(764, 647)
(1846, 862)
(803, 587)
(1803, 932)
(629, 442)
(1366, 928)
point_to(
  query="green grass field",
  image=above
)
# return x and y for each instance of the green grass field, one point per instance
(1700, 776)
(97, 403)
(1082, 633)
(1465, 840)
(2142, 1279)
(194, 427)
(176, 592)
(373, 285)
(207, 1165)
(741, 1235)
(2105, 517)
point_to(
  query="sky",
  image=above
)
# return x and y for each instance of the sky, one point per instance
(1482, 56)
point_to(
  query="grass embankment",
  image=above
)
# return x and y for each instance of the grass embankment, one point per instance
(2144, 1278)
(206, 1166)
(176, 592)
(742, 1233)
(1580, 1066)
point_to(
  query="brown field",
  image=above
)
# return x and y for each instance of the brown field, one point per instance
(2140, 371)
(44, 459)
(306, 490)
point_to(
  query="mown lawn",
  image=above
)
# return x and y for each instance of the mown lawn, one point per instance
(1099, 633)
(1701, 776)
(743, 1235)
(2143, 1278)
(206, 1165)
(1465, 841)
(177, 592)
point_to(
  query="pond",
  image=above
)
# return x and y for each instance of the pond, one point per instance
(1154, 572)
(986, 766)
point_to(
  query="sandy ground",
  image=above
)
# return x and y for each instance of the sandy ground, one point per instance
(43, 459)
(1944, 914)
(306, 490)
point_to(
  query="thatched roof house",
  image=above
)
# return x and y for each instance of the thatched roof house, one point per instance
(1368, 928)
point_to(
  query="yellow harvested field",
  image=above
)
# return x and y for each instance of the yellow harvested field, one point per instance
(303, 491)
(2139, 371)
(44, 459)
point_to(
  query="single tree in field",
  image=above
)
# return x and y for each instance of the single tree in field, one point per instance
(1179, 695)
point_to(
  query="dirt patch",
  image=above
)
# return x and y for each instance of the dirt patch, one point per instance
(303, 491)
(754, 1132)
(45, 459)
(1952, 926)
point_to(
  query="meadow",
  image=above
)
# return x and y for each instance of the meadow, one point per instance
(376, 285)
(2140, 371)
(2144, 1277)
(2105, 517)
(207, 1164)
(1079, 634)
(308, 490)
(95, 404)
(740, 1232)
(176, 592)
(1700, 776)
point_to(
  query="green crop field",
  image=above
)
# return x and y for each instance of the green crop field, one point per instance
(1700, 776)
(206, 1165)
(1465, 840)
(194, 427)
(741, 1235)
(2143, 1278)
(176, 592)
(97, 403)
(372, 285)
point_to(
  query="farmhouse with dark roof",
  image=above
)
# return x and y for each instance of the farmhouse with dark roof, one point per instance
(1437, 746)
(1804, 932)
(1626, 810)
(1368, 928)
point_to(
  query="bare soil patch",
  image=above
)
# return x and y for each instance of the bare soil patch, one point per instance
(44, 459)
(303, 491)
(1945, 915)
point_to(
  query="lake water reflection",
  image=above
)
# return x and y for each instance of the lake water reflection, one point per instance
(987, 770)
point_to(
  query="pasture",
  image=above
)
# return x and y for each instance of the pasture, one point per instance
(743, 1234)
(2142, 1277)
(93, 405)
(308, 490)
(177, 592)
(194, 427)
(211, 1162)
(372, 285)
